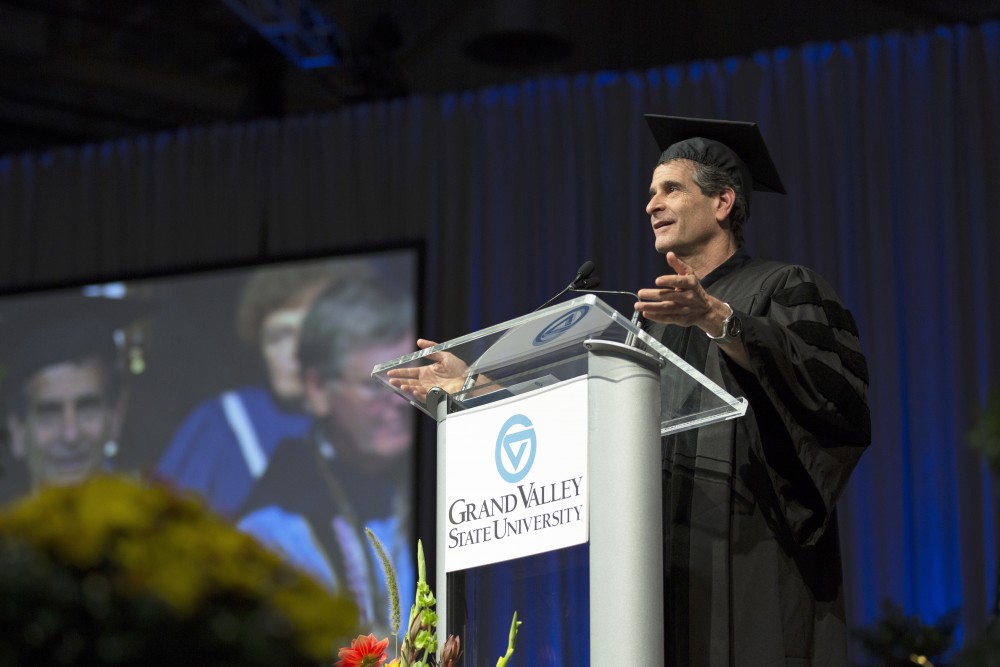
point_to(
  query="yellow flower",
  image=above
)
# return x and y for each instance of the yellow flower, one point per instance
(151, 541)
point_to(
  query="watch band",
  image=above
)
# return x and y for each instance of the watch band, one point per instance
(731, 328)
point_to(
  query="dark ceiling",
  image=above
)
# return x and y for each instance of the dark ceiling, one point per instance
(75, 71)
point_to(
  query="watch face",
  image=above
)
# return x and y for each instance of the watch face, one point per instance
(734, 327)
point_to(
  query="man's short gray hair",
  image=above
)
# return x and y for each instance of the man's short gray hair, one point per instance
(350, 315)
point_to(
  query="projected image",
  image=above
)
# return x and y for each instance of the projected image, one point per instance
(64, 393)
(249, 388)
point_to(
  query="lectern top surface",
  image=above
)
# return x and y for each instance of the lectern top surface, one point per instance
(544, 347)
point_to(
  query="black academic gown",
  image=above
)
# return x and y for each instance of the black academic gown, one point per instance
(751, 551)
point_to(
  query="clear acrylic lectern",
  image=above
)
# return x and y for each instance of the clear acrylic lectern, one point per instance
(585, 369)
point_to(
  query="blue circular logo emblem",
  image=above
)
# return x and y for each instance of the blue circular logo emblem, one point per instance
(562, 325)
(516, 447)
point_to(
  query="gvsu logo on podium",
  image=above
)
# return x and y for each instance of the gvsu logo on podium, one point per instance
(561, 325)
(516, 446)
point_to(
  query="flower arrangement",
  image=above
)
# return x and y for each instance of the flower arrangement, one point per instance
(116, 572)
(900, 640)
(420, 642)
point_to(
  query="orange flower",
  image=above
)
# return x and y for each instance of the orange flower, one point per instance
(365, 651)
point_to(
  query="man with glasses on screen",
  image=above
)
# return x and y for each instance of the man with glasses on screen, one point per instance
(223, 446)
(352, 471)
(62, 389)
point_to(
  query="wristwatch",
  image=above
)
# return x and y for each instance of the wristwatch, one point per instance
(732, 327)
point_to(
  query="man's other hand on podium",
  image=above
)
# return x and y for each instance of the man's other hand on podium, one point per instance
(447, 371)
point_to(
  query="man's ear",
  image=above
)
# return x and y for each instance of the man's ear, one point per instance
(16, 430)
(727, 200)
(317, 401)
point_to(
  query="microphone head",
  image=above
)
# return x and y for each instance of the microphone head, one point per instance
(583, 274)
(584, 271)
(588, 283)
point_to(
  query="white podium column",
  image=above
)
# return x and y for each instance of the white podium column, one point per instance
(626, 525)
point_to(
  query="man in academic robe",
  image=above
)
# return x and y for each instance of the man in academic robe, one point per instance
(752, 570)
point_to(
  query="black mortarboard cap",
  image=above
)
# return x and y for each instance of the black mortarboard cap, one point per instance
(45, 329)
(734, 146)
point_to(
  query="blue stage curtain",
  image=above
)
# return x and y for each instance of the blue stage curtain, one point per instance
(887, 145)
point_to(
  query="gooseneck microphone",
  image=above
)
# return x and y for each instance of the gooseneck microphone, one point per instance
(585, 281)
(583, 275)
